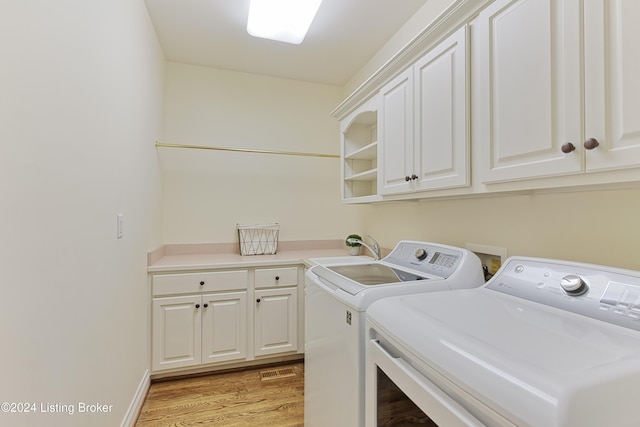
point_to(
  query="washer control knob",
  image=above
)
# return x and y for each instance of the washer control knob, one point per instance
(421, 254)
(573, 284)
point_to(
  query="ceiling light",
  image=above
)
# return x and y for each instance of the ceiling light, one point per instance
(283, 20)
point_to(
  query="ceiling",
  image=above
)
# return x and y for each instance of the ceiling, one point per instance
(344, 35)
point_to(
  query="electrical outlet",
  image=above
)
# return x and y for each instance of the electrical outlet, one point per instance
(491, 257)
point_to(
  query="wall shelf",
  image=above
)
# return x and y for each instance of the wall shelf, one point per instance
(360, 154)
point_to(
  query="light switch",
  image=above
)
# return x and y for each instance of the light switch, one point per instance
(120, 225)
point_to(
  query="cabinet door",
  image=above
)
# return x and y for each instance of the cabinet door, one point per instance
(396, 129)
(612, 67)
(176, 332)
(224, 327)
(441, 124)
(529, 86)
(276, 321)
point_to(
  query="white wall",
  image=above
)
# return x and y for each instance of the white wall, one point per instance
(600, 227)
(206, 193)
(80, 108)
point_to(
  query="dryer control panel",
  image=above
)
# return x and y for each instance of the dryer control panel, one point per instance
(604, 293)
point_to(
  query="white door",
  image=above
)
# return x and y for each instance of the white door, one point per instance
(441, 106)
(396, 129)
(529, 85)
(276, 321)
(612, 82)
(224, 327)
(176, 332)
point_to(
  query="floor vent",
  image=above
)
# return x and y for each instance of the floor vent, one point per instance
(274, 374)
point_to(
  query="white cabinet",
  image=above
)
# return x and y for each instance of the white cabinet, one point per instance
(276, 310)
(204, 318)
(359, 154)
(424, 122)
(194, 329)
(176, 332)
(612, 83)
(276, 321)
(534, 84)
(529, 80)
(224, 327)
(396, 127)
(202, 327)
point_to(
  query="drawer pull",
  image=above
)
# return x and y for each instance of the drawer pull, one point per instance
(202, 283)
(277, 277)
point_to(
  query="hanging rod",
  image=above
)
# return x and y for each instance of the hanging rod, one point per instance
(245, 150)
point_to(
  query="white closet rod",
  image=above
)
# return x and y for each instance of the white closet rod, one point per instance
(245, 150)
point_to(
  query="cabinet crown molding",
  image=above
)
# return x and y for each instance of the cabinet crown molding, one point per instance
(458, 13)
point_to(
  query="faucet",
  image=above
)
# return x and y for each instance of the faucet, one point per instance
(375, 250)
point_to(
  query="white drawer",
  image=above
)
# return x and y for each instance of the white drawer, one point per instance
(272, 277)
(210, 281)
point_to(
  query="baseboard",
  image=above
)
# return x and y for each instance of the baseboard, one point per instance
(137, 402)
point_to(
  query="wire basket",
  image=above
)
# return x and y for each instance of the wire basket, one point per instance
(258, 239)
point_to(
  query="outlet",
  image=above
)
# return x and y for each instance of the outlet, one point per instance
(491, 257)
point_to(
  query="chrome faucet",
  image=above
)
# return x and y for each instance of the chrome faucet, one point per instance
(375, 250)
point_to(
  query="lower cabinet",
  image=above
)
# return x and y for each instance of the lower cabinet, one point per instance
(224, 327)
(177, 328)
(276, 321)
(196, 329)
(208, 318)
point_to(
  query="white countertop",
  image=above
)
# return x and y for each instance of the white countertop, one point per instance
(230, 260)
(204, 257)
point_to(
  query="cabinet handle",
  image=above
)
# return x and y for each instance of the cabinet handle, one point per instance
(277, 277)
(202, 283)
(414, 177)
(567, 148)
(205, 305)
(591, 143)
(407, 178)
(258, 300)
(197, 305)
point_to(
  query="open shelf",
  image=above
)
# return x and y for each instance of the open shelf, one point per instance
(360, 155)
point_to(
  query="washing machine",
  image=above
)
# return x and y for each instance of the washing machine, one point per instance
(336, 299)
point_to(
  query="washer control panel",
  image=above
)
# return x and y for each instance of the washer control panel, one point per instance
(427, 258)
(603, 293)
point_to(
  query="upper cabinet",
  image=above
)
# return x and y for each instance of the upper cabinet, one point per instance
(525, 95)
(441, 156)
(529, 88)
(612, 94)
(424, 122)
(359, 154)
(546, 109)
(396, 128)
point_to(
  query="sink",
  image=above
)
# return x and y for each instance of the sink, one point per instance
(367, 274)
(355, 277)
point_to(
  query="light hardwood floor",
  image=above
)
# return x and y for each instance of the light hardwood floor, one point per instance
(227, 399)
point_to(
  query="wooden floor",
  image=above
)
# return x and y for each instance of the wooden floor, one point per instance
(228, 399)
